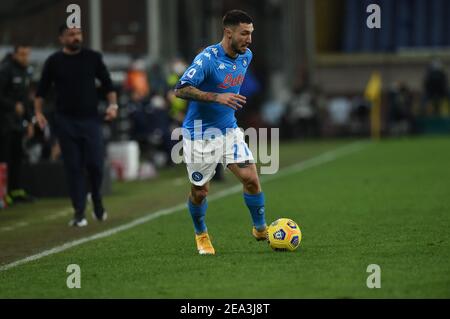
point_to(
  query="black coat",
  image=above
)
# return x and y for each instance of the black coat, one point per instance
(15, 81)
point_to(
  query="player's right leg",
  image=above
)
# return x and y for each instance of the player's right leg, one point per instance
(201, 168)
(198, 205)
(72, 149)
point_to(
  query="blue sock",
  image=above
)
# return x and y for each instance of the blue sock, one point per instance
(198, 213)
(255, 204)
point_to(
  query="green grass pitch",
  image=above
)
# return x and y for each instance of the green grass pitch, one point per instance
(387, 204)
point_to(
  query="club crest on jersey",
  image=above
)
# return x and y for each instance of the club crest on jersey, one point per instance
(234, 67)
(230, 81)
(197, 176)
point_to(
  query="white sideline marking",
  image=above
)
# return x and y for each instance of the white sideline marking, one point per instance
(301, 166)
(56, 215)
(61, 213)
(13, 227)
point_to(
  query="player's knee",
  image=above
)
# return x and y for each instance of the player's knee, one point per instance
(199, 195)
(251, 185)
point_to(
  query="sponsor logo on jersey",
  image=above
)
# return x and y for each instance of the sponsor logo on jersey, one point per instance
(222, 66)
(230, 81)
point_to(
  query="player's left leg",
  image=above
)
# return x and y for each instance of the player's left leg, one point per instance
(253, 196)
(94, 158)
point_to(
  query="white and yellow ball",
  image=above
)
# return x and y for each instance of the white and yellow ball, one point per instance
(284, 235)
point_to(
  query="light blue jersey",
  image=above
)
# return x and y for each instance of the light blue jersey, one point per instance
(213, 71)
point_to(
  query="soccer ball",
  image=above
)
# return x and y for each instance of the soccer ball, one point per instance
(284, 234)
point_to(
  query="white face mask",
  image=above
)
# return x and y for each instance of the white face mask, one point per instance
(138, 65)
(158, 102)
(178, 67)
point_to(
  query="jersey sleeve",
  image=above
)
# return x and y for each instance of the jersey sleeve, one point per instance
(196, 73)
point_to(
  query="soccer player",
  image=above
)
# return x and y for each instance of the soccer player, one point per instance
(212, 85)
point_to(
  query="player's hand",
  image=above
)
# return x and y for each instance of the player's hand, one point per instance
(20, 109)
(235, 101)
(41, 120)
(30, 131)
(111, 112)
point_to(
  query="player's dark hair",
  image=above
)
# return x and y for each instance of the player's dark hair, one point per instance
(17, 46)
(235, 17)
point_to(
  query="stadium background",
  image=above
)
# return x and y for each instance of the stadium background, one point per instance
(319, 74)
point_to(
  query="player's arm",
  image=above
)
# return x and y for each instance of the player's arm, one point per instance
(7, 105)
(40, 118)
(232, 100)
(42, 90)
(197, 74)
(103, 75)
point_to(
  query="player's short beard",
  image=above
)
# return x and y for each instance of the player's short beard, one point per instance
(75, 46)
(236, 48)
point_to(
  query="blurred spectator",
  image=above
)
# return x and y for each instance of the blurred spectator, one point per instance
(339, 111)
(150, 127)
(436, 90)
(177, 106)
(136, 79)
(15, 118)
(302, 113)
(360, 116)
(400, 117)
(273, 111)
(157, 79)
(250, 114)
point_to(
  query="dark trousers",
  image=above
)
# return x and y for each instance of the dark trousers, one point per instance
(82, 150)
(11, 153)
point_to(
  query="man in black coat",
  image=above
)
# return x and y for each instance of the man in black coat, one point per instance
(15, 117)
(73, 71)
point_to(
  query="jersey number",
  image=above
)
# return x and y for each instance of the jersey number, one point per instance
(191, 73)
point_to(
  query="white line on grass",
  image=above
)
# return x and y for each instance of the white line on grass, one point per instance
(53, 216)
(301, 166)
